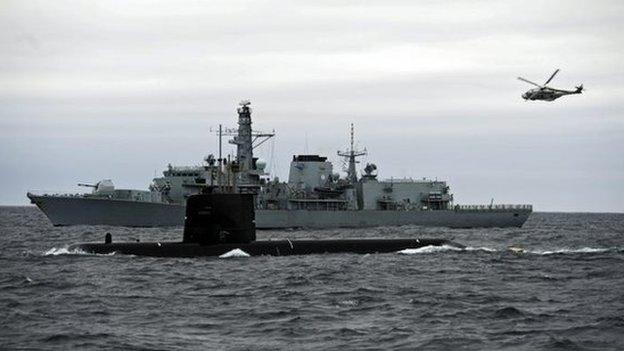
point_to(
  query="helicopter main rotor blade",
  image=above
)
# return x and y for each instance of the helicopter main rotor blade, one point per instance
(528, 81)
(551, 77)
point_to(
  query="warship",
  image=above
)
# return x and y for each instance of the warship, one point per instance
(314, 196)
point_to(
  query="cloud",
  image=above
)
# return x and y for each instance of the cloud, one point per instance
(83, 81)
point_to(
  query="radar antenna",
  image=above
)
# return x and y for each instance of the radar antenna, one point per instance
(258, 137)
(350, 155)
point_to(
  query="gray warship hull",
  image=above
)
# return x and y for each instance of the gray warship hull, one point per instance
(64, 211)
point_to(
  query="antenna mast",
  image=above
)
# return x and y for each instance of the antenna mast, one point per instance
(350, 156)
(246, 140)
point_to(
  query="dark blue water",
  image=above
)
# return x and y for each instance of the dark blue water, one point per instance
(565, 293)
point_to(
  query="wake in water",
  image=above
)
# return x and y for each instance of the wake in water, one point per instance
(429, 249)
(65, 251)
(515, 250)
(236, 253)
(583, 250)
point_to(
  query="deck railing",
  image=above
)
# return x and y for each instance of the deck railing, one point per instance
(493, 207)
(54, 193)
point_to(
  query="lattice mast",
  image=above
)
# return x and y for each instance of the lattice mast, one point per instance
(350, 155)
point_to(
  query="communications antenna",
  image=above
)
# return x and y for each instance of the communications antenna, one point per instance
(350, 155)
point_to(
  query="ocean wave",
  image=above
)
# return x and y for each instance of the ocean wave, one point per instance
(429, 249)
(583, 250)
(482, 248)
(65, 251)
(444, 248)
(508, 312)
(516, 250)
(234, 254)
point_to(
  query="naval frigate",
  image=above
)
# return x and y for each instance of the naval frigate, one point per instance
(313, 197)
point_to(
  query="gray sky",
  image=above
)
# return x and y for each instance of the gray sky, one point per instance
(118, 89)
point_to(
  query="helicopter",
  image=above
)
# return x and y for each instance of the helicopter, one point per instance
(543, 92)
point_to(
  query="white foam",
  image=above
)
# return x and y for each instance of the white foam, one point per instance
(443, 248)
(349, 303)
(482, 248)
(64, 251)
(429, 249)
(570, 251)
(234, 253)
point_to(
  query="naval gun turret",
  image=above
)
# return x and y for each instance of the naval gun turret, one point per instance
(103, 187)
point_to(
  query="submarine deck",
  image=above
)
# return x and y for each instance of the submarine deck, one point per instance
(258, 248)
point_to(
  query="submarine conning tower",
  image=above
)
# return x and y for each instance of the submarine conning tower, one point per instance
(220, 218)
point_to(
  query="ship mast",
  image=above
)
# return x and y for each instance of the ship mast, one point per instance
(246, 140)
(350, 155)
(244, 153)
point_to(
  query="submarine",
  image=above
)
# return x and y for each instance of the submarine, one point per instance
(217, 223)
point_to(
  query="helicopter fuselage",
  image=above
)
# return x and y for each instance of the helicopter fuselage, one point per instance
(547, 94)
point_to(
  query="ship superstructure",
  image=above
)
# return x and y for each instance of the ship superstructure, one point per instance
(314, 195)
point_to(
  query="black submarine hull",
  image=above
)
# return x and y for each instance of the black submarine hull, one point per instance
(217, 223)
(259, 248)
